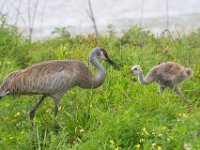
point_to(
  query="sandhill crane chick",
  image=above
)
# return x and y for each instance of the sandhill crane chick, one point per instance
(168, 74)
(54, 78)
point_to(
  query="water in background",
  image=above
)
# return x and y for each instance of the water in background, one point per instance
(45, 15)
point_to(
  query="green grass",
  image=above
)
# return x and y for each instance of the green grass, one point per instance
(121, 114)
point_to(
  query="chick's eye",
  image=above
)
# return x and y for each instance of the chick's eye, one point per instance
(135, 68)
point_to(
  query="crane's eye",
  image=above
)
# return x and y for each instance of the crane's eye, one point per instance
(135, 68)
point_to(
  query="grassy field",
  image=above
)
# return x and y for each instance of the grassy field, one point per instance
(122, 113)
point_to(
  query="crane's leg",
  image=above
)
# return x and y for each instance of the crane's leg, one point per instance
(177, 90)
(161, 89)
(56, 103)
(55, 119)
(34, 109)
(56, 128)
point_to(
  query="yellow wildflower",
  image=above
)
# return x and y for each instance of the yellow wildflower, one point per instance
(81, 130)
(60, 107)
(141, 140)
(112, 142)
(184, 115)
(145, 131)
(22, 132)
(153, 145)
(117, 148)
(159, 148)
(137, 146)
(17, 114)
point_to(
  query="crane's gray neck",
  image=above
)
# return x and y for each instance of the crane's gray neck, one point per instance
(100, 77)
(141, 78)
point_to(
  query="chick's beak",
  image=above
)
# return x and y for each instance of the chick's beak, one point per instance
(130, 71)
(112, 63)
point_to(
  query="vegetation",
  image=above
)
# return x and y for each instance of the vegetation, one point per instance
(121, 114)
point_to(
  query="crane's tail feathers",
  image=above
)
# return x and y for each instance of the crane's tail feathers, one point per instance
(7, 82)
(3, 91)
(189, 72)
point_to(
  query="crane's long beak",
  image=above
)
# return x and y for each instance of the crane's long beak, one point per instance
(112, 63)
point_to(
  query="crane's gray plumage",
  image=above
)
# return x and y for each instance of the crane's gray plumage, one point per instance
(54, 78)
(168, 74)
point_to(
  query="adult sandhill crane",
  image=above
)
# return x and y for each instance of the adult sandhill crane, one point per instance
(165, 75)
(54, 78)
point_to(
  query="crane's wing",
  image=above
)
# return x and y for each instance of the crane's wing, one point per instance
(47, 77)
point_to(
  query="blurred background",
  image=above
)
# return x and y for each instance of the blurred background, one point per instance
(41, 17)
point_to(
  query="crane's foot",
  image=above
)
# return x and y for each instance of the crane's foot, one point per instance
(188, 104)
